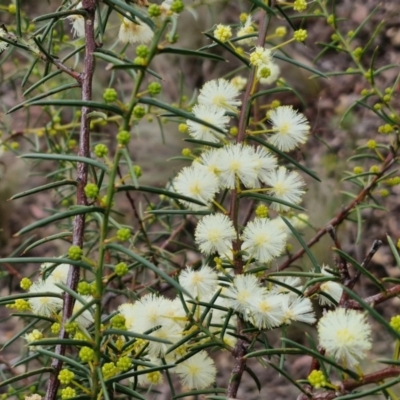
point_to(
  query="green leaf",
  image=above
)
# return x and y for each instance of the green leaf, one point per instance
(285, 156)
(21, 332)
(299, 64)
(132, 10)
(150, 266)
(102, 383)
(60, 14)
(66, 157)
(269, 199)
(229, 49)
(40, 260)
(289, 21)
(374, 314)
(363, 156)
(361, 269)
(359, 224)
(270, 91)
(365, 393)
(204, 143)
(321, 358)
(135, 335)
(180, 212)
(12, 298)
(56, 341)
(26, 375)
(192, 53)
(130, 167)
(40, 82)
(126, 390)
(164, 192)
(198, 392)
(140, 372)
(303, 244)
(177, 111)
(264, 6)
(67, 360)
(48, 239)
(77, 103)
(288, 377)
(62, 215)
(275, 351)
(64, 182)
(361, 26)
(394, 250)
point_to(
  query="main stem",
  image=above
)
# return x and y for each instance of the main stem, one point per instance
(240, 349)
(82, 173)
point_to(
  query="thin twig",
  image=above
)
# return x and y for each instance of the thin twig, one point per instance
(240, 349)
(82, 173)
(374, 248)
(342, 215)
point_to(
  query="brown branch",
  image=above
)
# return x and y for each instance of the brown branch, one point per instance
(342, 215)
(376, 298)
(351, 384)
(375, 247)
(82, 172)
(241, 347)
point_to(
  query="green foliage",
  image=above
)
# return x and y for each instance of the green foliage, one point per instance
(153, 272)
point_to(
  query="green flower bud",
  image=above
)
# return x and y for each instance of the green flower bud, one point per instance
(66, 376)
(121, 269)
(154, 88)
(142, 50)
(124, 234)
(68, 393)
(110, 95)
(86, 354)
(100, 150)
(123, 138)
(75, 253)
(91, 190)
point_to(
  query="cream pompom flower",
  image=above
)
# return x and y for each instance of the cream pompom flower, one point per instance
(261, 56)
(345, 335)
(263, 240)
(274, 72)
(246, 29)
(198, 183)
(222, 32)
(85, 318)
(219, 93)
(131, 32)
(211, 160)
(197, 372)
(285, 185)
(78, 22)
(265, 162)
(55, 274)
(215, 233)
(291, 128)
(266, 311)
(297, 309)
(331, 288)
(46, 306)
(238, 161)
(150, 312)
(245, 290)
(200, 283)
(286, 282)
(239, 82)
(128, 311)
(3, 44)
(214, 116)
